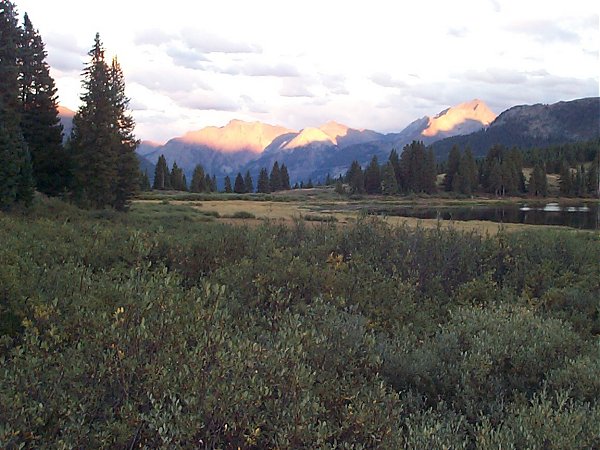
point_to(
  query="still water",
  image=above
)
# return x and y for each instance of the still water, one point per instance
(582, 216)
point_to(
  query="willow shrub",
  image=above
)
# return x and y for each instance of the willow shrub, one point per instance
(158, 329)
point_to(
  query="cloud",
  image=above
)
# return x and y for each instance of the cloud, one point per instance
(206, 100)
(257, 69)
(153, 36)
(64, 53)
(544, 31)
(252, 105)
(207, 42)
(335, 84)
(387, 81)
(457, 32)
(186, 57)
(168, 79)
(295, 87)
(493, 76)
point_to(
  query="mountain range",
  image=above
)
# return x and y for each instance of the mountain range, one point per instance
(314, 152)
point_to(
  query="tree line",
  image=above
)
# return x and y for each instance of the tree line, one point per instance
(174, 179)
(98, 166)
(499, 173)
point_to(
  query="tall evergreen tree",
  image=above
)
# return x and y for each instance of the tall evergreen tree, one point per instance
(389, 185)
(467, 174)
(538, 183)
(162, 175)
(275, 178)
(16, 178)
(452, 168)
(373, 177)
(144, 181)
(565, 179)
(92, 136)
(40, 123)
(394, 160)
(239, 187)
(248, 182)
(263, 185)
(198, 180)
(355, 178)
(177, 178)
(228, 188)
(102, 138)
(213, 183)
(208, 183)
(124, 142)
(285, 178)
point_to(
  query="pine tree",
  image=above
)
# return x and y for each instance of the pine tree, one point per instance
(198, 180)
(102, 138)
(355, 178)
(592, 182)
(453, 166)
(285, 178)
(373, 177)
(144, 181)
(394, 160)
(16, 177)
(208, 183)
(389, 185)
(538, 184)
(248, 183)
(213, 183)
(92, 136)
(124, 141)
(468, 172)
(177, 178)
(162, 176)
(228, 188)
(39, 116)
(275, 178)
(239, 187)
(565, 180)
(263, 185)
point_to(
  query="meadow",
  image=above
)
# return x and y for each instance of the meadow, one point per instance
(193, 322)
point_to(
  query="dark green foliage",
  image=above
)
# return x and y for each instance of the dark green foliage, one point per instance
(389, 185)
(16, 174)
(144, 182)
(198, 180)
(178, 182)
(394, 160)
(355, 178)
(538, 182)
(275, 181)
(162, 175)
(263, 185)
(417, 169)
(566, 180)
(361, 336)
(228, 188)
(40, 123)
(453, 165)
(102, 139)
(285, 178)
(239, 187)
(502, 172)
(248, 183)
(373, 177)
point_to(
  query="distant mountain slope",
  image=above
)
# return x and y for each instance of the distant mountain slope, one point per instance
(66, 119)
(528, 126)
(309, 153)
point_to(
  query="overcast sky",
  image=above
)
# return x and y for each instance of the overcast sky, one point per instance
(371, 64)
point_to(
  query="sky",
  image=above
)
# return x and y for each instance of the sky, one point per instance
(368, 64)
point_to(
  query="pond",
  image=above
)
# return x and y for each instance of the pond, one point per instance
(583, 216)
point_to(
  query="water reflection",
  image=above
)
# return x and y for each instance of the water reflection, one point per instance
(583, 216)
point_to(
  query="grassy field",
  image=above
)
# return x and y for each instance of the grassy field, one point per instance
(324, 205)
(166, 328)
